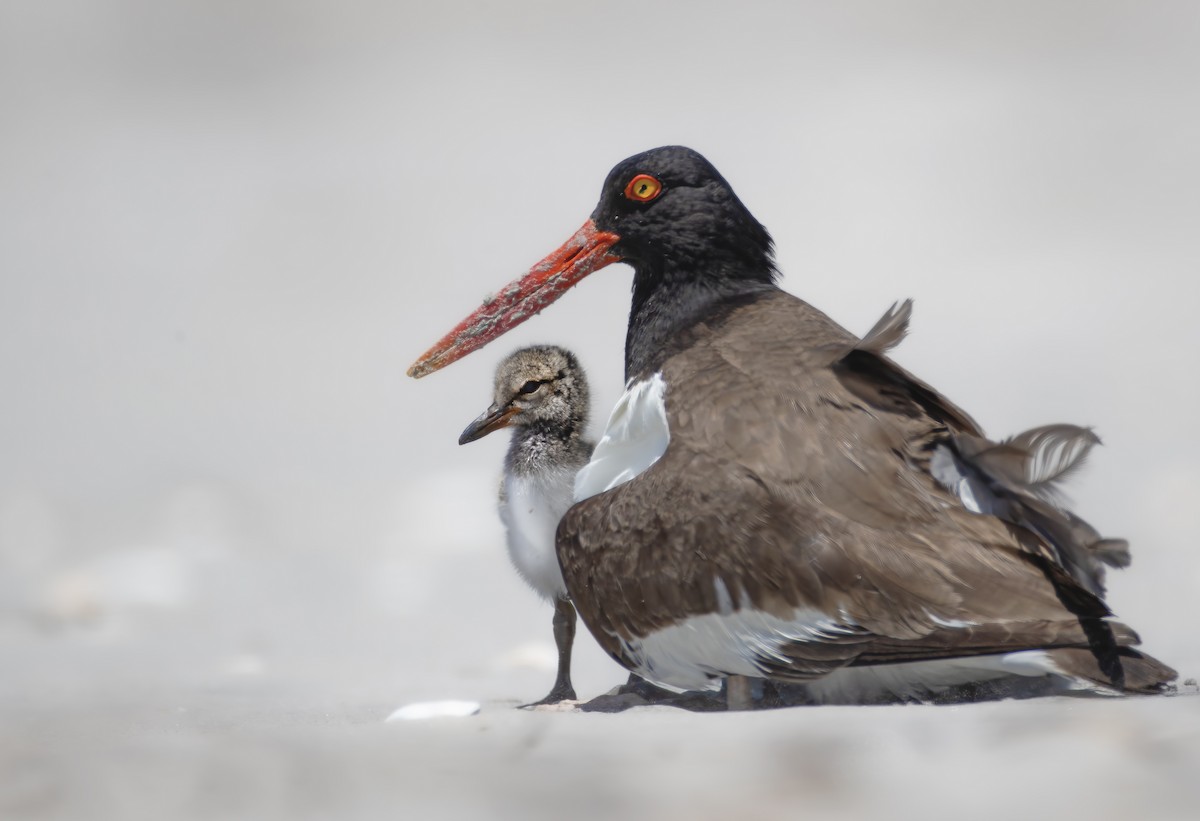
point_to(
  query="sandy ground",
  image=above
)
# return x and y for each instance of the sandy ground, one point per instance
(216, 705)
(241, 755)
(234, 537)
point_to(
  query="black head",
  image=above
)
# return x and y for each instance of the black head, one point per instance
(678, 219)
(667, 212)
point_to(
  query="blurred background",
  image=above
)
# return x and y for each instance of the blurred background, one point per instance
(226, 229)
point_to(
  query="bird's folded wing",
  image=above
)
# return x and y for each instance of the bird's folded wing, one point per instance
(793, 493)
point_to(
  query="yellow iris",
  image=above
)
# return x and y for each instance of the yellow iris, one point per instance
(643, 188)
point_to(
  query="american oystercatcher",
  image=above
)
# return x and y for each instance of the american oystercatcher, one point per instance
(775, 498)
(541, 393)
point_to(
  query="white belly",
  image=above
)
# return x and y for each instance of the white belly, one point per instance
(531, 510)
(920, 680)
(695, 653)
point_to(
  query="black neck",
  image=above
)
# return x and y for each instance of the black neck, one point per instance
(664, 310)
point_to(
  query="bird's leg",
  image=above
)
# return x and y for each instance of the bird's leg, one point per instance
(564, 639)
(739, 693)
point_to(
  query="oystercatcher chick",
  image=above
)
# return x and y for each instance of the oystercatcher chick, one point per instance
(541, 393)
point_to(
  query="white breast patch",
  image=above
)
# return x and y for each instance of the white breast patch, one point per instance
(531, 510)
(636, 437)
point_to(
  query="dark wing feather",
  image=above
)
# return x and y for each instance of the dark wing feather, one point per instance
(1020, 476)
(889, 331)
(874, 379)
(1017, 480)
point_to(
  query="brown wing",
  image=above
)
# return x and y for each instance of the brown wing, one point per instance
(799, 477)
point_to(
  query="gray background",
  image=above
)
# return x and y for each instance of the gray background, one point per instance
(234, 536)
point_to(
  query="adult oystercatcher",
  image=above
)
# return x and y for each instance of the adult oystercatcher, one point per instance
(775, 498)
(541, 393)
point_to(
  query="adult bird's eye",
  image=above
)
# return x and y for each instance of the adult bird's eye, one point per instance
(643, 188)
(530, 386)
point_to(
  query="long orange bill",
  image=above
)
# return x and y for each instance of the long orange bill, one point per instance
(587, 251)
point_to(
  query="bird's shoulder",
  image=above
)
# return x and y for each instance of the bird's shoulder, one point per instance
(809, 408)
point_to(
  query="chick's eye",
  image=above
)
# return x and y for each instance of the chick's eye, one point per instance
(643, 188)
(530, 386)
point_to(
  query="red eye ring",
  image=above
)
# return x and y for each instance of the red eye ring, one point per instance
(643, 188)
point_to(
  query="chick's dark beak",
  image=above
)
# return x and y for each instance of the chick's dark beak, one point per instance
(492, 419)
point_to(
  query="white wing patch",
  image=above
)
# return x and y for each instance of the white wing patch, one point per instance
(636, 437)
